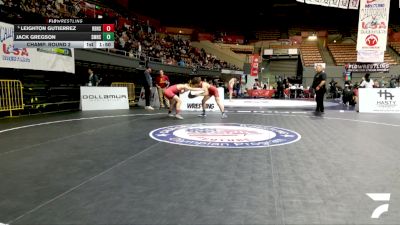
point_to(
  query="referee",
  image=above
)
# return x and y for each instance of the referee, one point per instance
(319, 86)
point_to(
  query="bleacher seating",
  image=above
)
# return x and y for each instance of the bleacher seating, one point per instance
(395, 46)
(346, 53)
(284, 46)
(241, 49)
(310, 54)
(268, 35)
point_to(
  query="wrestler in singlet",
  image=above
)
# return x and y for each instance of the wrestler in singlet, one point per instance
(172, 94)
(171, 91)
(211, 91)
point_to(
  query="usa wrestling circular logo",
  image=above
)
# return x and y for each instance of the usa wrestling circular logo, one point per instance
(227, 135)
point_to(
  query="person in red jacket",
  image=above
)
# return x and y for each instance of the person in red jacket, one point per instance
(162, 82)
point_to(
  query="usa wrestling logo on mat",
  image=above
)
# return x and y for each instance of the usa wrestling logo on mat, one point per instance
(229, 135)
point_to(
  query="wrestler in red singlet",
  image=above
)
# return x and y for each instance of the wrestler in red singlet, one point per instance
(172, 94)
(209, 91)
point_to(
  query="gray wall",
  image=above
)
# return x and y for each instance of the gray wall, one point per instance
(108, 58)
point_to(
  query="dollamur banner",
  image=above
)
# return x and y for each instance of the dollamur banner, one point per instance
(373, 25)
(50, 59)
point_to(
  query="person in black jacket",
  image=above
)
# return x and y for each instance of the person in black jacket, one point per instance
(319, 86)
(93, 78)
(147, 84)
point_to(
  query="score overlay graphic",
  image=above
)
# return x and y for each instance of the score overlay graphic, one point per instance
(64, 33)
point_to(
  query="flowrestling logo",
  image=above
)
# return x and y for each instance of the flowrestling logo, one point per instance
(228, 135)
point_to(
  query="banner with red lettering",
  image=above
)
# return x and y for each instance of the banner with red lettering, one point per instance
(49, 59)
(373, 25)
(254, 65)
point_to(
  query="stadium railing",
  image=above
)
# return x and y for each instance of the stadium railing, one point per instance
(11, 95)
(131, 89)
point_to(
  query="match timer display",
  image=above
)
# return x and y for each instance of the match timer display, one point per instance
(64, 33)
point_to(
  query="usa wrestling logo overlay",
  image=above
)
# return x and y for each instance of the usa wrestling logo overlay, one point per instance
(228, 135)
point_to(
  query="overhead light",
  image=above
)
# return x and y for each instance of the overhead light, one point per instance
(180, 31)
(334, 41)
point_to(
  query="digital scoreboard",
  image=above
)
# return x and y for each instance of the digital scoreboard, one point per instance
(64, 33)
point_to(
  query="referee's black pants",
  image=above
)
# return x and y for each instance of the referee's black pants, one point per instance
(147, 95)
(320, 100)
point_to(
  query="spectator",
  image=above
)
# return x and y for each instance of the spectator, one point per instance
(256, 85)
(231, 84)
(162, 82)
(93, 78)
(367, 82)
(392, 83)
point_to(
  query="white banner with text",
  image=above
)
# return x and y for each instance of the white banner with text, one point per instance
(379, 100)
(48, 59)
(194, 104)
(373, 25)
(104, 98)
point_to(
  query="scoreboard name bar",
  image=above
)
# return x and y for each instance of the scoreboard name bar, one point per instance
(64, 36)
(64, 28)
(64, 44)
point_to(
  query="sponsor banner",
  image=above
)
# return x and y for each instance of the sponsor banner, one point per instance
(334, 3)
(373, 25)
(367, 56)
(154, 99)
(268, 51)
(254, 65)
(225, 135)
(104, 98)
(312, 2)
(324, 2)
(354, 4)
(237, 72)
(48, 59)
(344, 4)
(320, 64)
(367, 67)
(293, 51)
(194, 104)
(379, 100)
